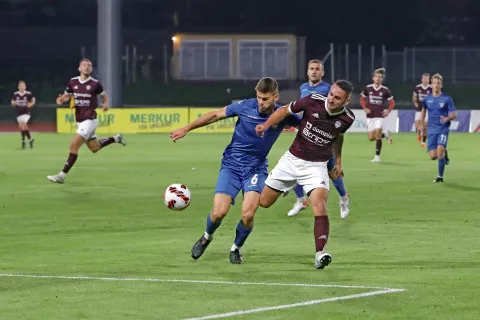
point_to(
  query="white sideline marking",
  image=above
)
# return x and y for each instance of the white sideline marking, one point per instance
(378, 291)
(13, 275)
(299, 304)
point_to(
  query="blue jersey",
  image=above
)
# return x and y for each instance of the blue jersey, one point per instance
(322, 88)
(247, 149)
(437, 107)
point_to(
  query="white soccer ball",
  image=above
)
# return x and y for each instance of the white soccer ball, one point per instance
(177, 197)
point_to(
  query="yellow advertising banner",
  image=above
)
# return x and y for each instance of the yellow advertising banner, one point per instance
(131, 120)
(225, 125)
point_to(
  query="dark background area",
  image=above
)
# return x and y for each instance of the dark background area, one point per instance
(42, 41)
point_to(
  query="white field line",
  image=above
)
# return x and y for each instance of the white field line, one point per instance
(378, 290)
(299, 304)
(14, 275)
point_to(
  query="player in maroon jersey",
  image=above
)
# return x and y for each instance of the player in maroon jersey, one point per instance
(325, 120)
(85, 91)
(373, 99)
(23, 101)
(419, 93)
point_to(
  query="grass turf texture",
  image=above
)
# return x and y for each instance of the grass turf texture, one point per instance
(108, 220)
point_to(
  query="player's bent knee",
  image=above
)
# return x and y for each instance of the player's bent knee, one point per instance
(219, 213)
(248, 216)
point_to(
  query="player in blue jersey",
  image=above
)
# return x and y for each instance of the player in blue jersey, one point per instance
(441, 111)
(244, 163)
(315, 84)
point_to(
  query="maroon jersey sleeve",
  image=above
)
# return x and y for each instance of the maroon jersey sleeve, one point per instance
(364, 92)
(69, 88)
(99, 88)
(30, 97)
(299, 105)
(14, 97)
(349, 120)
(388, 94)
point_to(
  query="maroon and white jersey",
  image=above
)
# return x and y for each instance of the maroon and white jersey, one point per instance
(22, 99)
(85, 94)
(376, 99)
(318, 129)
(421, 92)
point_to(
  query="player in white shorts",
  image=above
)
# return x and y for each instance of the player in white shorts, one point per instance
(23, 101)
(419, 93)
(85, 91)
(373, 98)
(324, 122)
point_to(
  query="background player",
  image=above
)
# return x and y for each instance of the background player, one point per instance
(316, 85)
(85, 91)
(23, 101)
(244, 163)
(324, 122)
(373, 99)
(419, 93)
(441, 111)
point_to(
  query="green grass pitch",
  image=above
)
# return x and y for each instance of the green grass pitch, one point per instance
(108, 223)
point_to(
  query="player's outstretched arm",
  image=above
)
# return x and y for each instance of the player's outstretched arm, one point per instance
(422, 120)
(13, 103)
(415, 101)
(452, 115)
(337, 151)
(31, 103)
(203, 121)
(276, 117)
(63, 98)
(104, 101)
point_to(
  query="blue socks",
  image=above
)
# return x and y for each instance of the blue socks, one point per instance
(241, 234)
(211, 226)
(299, 191)
(340, 186)
(441, 167)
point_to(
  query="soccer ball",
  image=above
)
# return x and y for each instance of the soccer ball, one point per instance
(177, 197)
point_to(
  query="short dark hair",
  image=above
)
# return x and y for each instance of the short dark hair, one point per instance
(345, 86)
(437, 76)
(86, 60)
(316, 61)
(382, 71)
(426, 74)
(267, 85)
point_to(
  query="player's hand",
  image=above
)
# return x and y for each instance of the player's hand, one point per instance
(260, 130)
(420, 130)
(104, 107)
(386, 113)
(367, 111)
(443, 119)
(178, 134)
(61, 99)
(339, 171)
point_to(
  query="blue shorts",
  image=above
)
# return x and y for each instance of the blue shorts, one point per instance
(437, 139)
(331, 163)
(231, 181)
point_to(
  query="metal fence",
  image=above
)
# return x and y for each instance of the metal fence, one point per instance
(457, 65)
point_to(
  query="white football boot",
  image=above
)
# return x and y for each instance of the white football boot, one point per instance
(119, 139)
(58, 178)
(322, 259)
(344, 206)
(297, 207)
